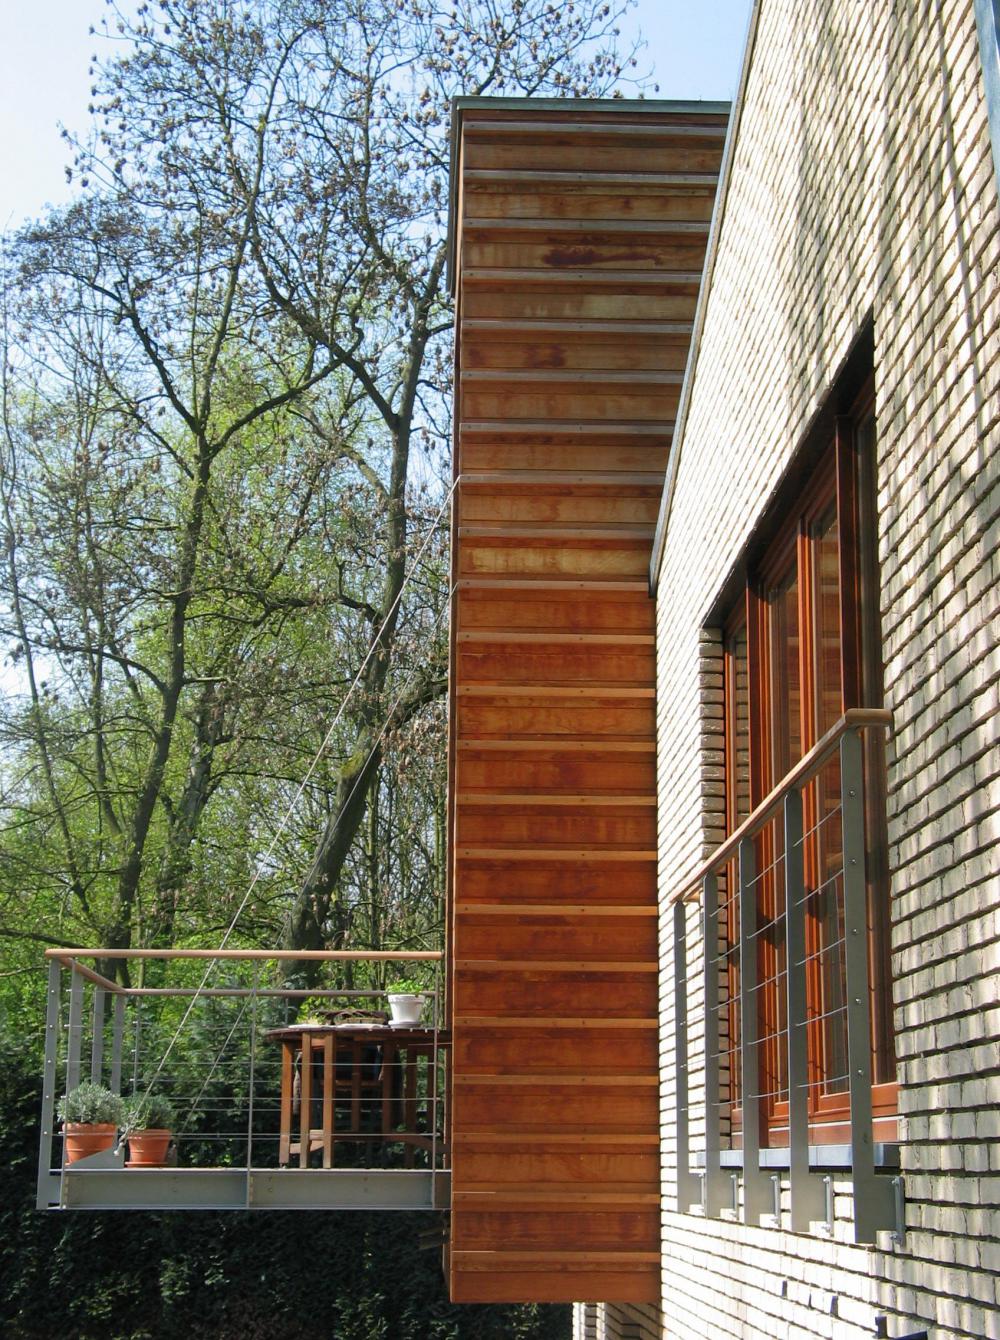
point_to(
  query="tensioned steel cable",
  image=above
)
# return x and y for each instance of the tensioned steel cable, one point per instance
(262, 863)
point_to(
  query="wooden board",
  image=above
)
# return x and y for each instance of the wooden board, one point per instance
(580, 237)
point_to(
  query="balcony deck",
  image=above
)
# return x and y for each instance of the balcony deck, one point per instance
(271, 1113)
(110, 1185)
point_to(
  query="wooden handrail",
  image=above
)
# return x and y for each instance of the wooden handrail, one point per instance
(64, 956)
(855, 718)
(321, 955)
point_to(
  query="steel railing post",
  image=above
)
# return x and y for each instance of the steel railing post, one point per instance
(137, 1039)
(52, 1012)
(253, 1062)
(97, 1041)
(757, 1196)
(687, 1181)
(117, 1035)
(74, 1040)
(433, 1082)
(715, 1189)
(434, 1087)
(873, 1195)
(807, 1198)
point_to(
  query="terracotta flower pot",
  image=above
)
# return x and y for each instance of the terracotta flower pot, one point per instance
(82, 1140)
(148, 1148)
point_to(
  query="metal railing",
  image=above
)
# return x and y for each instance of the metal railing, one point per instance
(773, 1029)
(289, 1091)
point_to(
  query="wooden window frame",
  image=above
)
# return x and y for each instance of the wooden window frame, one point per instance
(841, 478)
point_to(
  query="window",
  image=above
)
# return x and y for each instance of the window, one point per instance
(988, 24)
(801, 646)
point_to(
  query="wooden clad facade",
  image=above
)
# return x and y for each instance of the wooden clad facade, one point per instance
(579, 234)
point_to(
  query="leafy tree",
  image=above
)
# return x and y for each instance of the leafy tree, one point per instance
(225, 423)
(225, 387)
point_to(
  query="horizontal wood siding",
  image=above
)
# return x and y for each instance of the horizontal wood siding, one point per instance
(580, 237)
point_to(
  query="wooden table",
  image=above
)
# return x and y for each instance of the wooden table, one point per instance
(356, 1066)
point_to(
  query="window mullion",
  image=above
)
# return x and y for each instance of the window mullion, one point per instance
(849, 571)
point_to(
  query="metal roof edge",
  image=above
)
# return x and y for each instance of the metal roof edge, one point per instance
(462, 102)
(718, 212)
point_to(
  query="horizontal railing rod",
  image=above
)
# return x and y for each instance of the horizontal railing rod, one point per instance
(251, 955)
(277, 992)
(855, 718)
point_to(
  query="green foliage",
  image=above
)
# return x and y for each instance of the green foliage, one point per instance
(219, 1276)
(225, 374)
(225, 378)
(409, 986)
(91, 1104)
(148, 1111)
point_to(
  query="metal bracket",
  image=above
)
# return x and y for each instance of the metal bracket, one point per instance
(776, 1193)
(687, 1189)
(899, 1204)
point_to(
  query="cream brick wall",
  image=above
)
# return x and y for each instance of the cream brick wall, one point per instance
(611, 1321)
(862, 183)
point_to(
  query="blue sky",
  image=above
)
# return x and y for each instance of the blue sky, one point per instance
(694, 49)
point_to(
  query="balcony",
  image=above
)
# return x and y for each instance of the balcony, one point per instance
(776, 1024)
(285, 1096)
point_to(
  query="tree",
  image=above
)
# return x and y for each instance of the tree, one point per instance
(227, 380)
(147, 575)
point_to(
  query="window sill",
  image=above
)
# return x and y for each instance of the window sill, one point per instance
(820, 1156)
